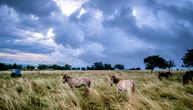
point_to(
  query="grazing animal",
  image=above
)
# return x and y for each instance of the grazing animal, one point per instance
(77, 82)
(163, 74)
(187, 77)
(123, 85)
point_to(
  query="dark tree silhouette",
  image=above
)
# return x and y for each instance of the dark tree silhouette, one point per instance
(78, 68)
(3, 66)
(119, 66)
(170, 64)
(138, 68)
(73, 68)
(151, 62)
(67, 67)
(108, 67)
(55, 67)
(188, 58)
(83, 68)
(98, 66)
(90, 68)
(16, 66)
(42, 66)
(29, 67)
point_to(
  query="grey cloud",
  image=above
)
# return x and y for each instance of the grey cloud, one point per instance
(69, 34)
(108, 7)
(114, 37)
(36, 7)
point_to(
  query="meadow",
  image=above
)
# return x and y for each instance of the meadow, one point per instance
(45, 90)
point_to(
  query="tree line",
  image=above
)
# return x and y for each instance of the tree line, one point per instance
(4, 66)
(151, 62)
(155, 61)
(95, 66)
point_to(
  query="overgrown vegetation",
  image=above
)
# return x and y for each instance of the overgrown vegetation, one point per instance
(45, 90)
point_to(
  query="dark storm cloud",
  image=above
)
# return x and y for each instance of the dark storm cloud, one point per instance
(178, 32)
(14, 28)
(111, 31)
(36, 7)
(107, 6)
(170, 41)
(69, 34)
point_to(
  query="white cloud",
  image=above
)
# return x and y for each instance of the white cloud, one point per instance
(37, 38)
(69, 6)
(8, 15)
(82, 11)
(145, 17)
(66, 55)
(94, 48)
(30, 58)
(116, 13)
(134, 12)
(93, 25)
(59, 55)
(33, 17)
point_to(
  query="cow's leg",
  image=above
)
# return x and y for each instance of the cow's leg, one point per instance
(89, 84)
(87, 92)
(71, 86)
(159, 77)
(86, 89)
(117, 92)
(129, 92)
(184, 80)
(190, 78)
(166, 76)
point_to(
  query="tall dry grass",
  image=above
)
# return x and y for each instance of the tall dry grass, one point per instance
(45, 90)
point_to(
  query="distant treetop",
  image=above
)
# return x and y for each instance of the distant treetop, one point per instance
(188, 58)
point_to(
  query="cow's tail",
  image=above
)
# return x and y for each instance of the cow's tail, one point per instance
(133, 88)
(159, 76)
(89, 83)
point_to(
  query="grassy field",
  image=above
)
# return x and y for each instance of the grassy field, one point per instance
(45, 90)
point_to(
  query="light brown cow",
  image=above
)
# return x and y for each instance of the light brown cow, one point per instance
(77, 82)
(123, 85)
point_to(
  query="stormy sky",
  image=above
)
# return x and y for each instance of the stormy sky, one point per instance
(81, 32)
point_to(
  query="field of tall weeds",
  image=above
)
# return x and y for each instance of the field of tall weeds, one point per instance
(46, 90)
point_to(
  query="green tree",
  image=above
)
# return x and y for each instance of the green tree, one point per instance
(55, 67)
(83, 68)
(4, 66)
(78, 68)
(119, 66)
(90, 68)
(30, 67)
(188, 58)
(151, 62)
(42, 66)
(170, 64)
(98, 66)
(108, 67)
(67, 67)
(16, 66)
